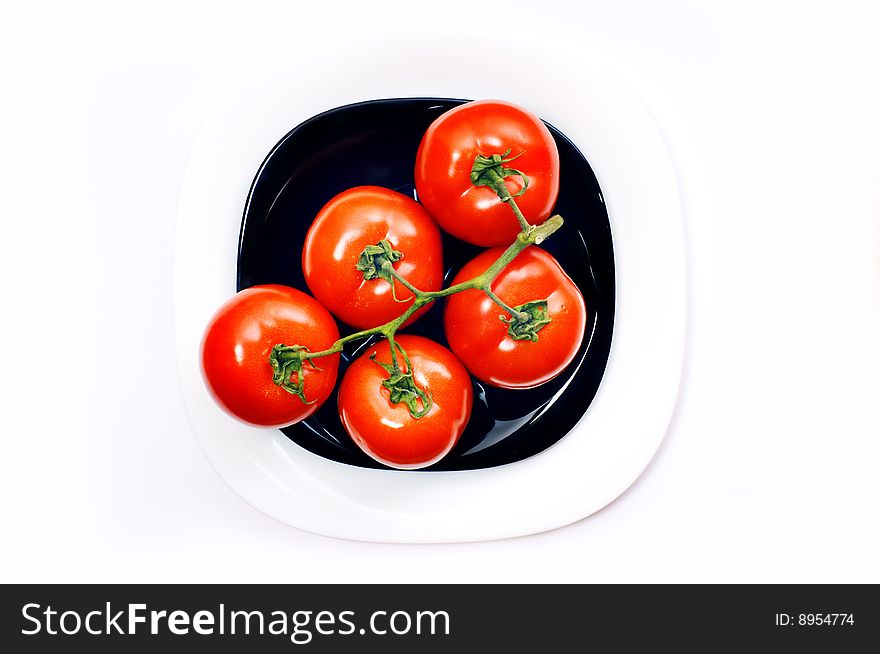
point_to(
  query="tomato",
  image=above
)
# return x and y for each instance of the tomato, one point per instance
(361, 217)
(480, 338)
(388, 432)
(237, 344)
(447, 152)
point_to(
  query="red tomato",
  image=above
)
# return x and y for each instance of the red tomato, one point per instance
(480, 339)
(350, 222)
(388, 432)
(236, 348)
(443, 166)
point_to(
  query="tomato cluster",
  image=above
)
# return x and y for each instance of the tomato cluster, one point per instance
(373, 259)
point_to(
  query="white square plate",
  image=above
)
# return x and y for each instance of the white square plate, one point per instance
(617, 437)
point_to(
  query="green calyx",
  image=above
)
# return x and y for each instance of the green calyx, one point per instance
(529, 319)
(287, 363)
(376, 260)
(402, 387)
(491, 171)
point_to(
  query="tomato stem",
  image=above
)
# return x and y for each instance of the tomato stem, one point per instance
(530, 318)
(400, 278)
(287, 367)
(514, 314)
(401, 385)
(490, 171)
(523, 223)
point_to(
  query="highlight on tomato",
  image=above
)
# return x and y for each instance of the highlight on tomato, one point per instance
(473, 156)
(412, 419)
(517, 353)
(239, 341)
(352, 236)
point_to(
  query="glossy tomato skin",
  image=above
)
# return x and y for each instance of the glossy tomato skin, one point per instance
(479, 338)
(350, 222)
(446, 154)
(237, 343)
(387, 432)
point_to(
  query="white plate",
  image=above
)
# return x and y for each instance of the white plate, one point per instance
(617, 437)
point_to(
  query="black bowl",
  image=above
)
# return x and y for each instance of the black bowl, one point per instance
(375, 143)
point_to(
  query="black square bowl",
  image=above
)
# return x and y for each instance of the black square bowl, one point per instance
(375, 143)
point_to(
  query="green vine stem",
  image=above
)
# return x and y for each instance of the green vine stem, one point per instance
(482, 282)
(376, 262)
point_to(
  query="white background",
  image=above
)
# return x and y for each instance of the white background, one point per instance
(769, 470)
